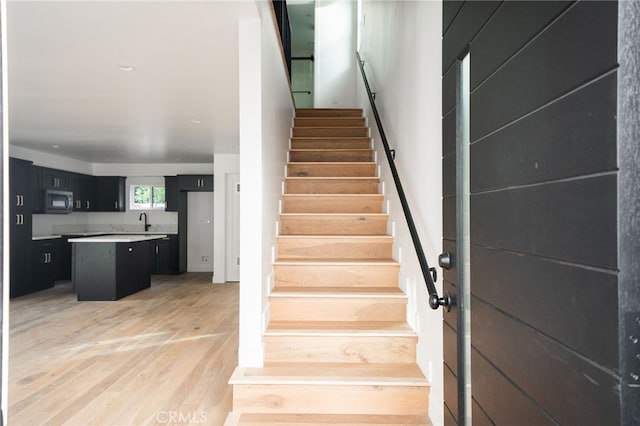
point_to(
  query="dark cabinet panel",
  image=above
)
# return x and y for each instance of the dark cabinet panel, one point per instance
(172, 194)
(64, 258)
(44, 261)
(20, 220)
(53, 178)
(164, 256)
(193, 183)
(83, 192)
(109, 193)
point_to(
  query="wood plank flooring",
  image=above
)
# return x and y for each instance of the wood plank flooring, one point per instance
(160, 356)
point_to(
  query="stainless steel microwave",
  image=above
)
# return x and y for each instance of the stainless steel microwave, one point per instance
(56, 201)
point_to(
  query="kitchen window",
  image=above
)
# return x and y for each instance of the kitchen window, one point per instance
(146, 197)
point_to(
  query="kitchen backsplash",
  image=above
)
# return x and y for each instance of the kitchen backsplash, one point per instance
(51, 224)
(63, 229)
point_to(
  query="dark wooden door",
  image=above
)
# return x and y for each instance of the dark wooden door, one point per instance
(548, 304)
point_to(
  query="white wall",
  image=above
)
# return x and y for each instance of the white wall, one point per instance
(401, 46)
(266, 112)
(335, 60)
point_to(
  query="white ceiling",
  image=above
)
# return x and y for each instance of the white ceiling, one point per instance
(66, 88)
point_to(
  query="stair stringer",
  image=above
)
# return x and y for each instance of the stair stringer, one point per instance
(426, 322)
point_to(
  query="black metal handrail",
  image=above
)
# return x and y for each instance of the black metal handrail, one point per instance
(434, 300)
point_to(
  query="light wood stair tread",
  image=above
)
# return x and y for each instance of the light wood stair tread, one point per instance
(278, 419)
(330, 178)
(339, 262)
(338, 292)
(339, 328)
(332, 163)
(322, 112)
(334, 237)
(333, 214)
(347, 374)
(311, 138)
(330, 150)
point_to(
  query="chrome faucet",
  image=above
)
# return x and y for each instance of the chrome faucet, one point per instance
(146, 225)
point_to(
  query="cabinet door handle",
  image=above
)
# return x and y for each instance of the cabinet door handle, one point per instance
(17, 219)
(17, 200)
(156, 249)
(87, 205)
(115, 204)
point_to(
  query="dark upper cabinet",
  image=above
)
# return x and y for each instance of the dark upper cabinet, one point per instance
(20, 229)
(109, 193)
(44, 259)
(172, 193)
(194, 183)
(54, 179)
(83, 192)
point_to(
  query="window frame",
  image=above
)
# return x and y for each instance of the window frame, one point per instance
(136, 207)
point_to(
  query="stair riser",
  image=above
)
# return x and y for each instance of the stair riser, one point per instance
(337, 309)
(331, 399)
(335, 204)
(329, 122)
(333, 186)
(306, 419)
(336, 275)
(331, 170)
(333, 225)
(328, 112)
(333, 143)
(356, 349)
(332, 156)
(312, 132)
(319, 248)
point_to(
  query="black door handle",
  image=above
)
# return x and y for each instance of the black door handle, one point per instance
(444, 260)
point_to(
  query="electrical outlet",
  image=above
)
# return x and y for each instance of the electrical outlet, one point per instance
(205, 259)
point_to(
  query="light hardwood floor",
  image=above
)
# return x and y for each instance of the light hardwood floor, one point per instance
(160, 356)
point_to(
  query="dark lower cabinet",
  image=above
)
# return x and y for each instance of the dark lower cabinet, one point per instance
(110, 271)
(44, 264)
(164, 255)
(64, 258)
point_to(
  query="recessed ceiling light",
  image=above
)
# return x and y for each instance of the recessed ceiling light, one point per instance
(55, 146)
(195, 121)
(126, 68)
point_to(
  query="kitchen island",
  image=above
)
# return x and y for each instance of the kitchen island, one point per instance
(110, 267)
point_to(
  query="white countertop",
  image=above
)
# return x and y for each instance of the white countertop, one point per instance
(117, 238)
(45, 237)
(92, 233)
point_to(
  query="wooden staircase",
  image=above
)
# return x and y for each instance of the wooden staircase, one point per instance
(338, 349)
